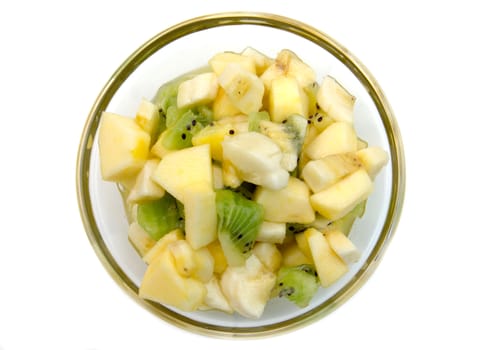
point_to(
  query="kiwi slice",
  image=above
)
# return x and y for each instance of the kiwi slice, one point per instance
(297, 283)
(159, 217)
(239, 221)
(179, 135)
(254, 119)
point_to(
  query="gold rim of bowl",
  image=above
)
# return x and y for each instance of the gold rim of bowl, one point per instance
(227, 19)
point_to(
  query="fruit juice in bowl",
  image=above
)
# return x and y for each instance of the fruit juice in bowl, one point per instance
(243, 185)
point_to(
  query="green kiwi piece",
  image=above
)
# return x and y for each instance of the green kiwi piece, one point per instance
(345, 223)
(159, 217)
(179, 135)
(254, 119)
(297, 283)
(239, 221)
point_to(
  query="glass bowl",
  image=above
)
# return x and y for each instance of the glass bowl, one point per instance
(188, 46)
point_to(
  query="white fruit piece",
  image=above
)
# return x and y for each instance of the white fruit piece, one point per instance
(163, 284)
(256, 159)
(144, 188)
(205, 265)
(335, 100)
(269, 255)
(215, 299)
(162, 245)
(147, 116)
(339, 137)
(201, 89)
(184, 257)
(123, 147)
(343, 246)
(200, 214)
(247, 288)
(219, 62)
(373, 159)
(289, 204)
(329, 266)
(140, 239)
(286, 98)
(178, 170)
(340, 198)
(271, 232)
(244, 89)
(321, 173)
(261, 60)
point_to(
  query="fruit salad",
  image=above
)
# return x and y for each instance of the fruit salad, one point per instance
(242, 181)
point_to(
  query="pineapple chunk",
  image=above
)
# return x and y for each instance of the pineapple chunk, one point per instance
(158, 149)
(340, 198)
(200, 214)
(373, 159)
(184, 257)
(230, 175)
(244, 89)
(178, 170)
(287, 98)
(139, 238)
(339, 137)
(161, 245)
(303, 244)
(201, 89)
(163, 284)
(214, 136)
(223, 107)
(329, 266)
(219, 257)
(145, 189)
(205, 265)
(219, 62)
(214, 296)
(321, 173)
(343, 246)
(335, 101)
(289, 204)
(269, 255)
(123, 147)
(292, 255)
(217, 177)
(147, 116)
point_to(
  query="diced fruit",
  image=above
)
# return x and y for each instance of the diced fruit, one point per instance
(180, 133)
(286, 98)
(180, 169)
(247, 288)
(163, 284)
(269, 255)
(255, 118)
(158, 149)
(123, 147)
(261, 60)
(166, 96)
(147, 117)
(335, 101)
(141, 241)
(239, 221)
(271, 232)
(231, 178)
(217, 177)
(339, 137)
(219, 257)
(292, 255)
(297, 283)
(205, 265)
(373, 159)
(244, 89)
(220, 61)
(303, 244)
(289, 136)
(200, 214)
(345, 223)
(158, 217)
(214, 296)
(162, 244)
(223, 107)
(340, 198)
(201, 89)
(184, 257)
(329, 266)
(321, 173)
(289, 204)
(144, 188)
(343, 246)
(256, 158)
(321, 121)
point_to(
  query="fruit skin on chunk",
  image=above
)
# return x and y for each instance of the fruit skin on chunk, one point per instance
(286, 98)
(123, 147)
(178, 170)
(340, 198)
(339, 137)
(335, 100)
(200, 214)
(144, 188)
(163, 284)
(289, 204)
(201, 89)
(329, 266)
(373, 159)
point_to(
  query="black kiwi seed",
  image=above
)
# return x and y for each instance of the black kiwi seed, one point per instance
(286, 292)
(193, 122)
(317, 105)
(291, 228)
(284, 121)
(247, 244)
(319, 119)
(188, 127)
(231, 132)
(183, 136)
(240, 236)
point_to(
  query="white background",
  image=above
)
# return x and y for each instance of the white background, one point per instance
(55, 58)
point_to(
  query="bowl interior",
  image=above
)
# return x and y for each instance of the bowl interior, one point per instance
(106, 221)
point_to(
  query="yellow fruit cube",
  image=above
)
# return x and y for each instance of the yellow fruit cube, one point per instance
(223, 107)
(287, 98)
(161, 245)
(219, 62)
(147, 116)
(339, 137)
